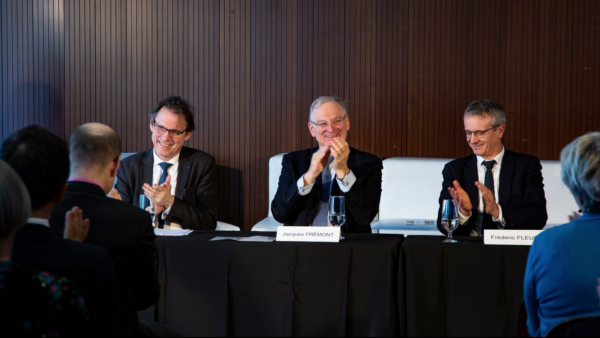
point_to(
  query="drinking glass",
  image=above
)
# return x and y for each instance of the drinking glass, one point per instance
(449, 218)
(147, 205)
(337, 211)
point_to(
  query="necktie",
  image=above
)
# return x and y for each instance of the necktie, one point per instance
(489, 183)
(165, 167)
(322, 215)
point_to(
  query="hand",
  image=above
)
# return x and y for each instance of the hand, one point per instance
(574, 216)
(464, 202)
(76, 228)
(114, 193)
(489, 200)
(317, 164)
(160, 195)
(341, 152)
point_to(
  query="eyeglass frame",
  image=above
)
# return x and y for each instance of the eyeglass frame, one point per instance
(327, 123)
(478, 133)
(157, 128)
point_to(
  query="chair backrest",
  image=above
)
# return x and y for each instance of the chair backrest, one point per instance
(411, 188)
(559, 201)
(123, 156)
(274, 173)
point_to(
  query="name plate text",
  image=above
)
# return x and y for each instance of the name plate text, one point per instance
(510, 237)
(308, 234)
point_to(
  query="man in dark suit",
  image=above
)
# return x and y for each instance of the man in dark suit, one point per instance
(309, 177)
(496, 188)
(122, 229)
(42, 161)
(181, 182)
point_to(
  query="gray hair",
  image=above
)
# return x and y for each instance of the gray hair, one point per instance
(93, 144)
(580, 170)
(487, 108)
(325, 99)
(15, 205)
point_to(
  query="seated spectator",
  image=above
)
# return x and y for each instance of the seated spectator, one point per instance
(42, 161)
(54, 305)
(563, 267)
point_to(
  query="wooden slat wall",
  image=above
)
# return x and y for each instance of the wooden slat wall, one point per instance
(251, 68)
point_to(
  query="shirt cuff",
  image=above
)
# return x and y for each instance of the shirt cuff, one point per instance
(302, 190)
(347, 183)
(165, 212)
(500, 218)
(462, 219)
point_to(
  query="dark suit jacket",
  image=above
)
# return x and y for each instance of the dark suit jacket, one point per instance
(88, 266)
(521, 192)
(362, 201)
(196, 200)
(122, 229)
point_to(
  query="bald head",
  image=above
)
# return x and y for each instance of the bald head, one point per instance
(93, 146)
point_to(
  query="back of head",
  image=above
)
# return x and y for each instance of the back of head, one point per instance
(580, 170)
(42, 161)
(179, 106)
(14, 200)
(93, 145)
(487, 108)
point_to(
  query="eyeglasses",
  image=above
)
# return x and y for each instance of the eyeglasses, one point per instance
(323, 125)
(478, 133)
(160, 130)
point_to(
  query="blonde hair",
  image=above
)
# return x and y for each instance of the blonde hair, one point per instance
(15, 206)
(580, 170)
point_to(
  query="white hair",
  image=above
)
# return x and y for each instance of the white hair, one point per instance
(580, 166)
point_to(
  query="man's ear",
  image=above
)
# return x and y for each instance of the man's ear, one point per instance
(114, 167)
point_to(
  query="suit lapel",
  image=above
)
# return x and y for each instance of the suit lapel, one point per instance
(146, 170)
(472, 176)
(183, 172)
(506, 176)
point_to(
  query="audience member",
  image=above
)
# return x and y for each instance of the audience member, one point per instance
(309, 177)
(181, 181)
(42, 161)
(561, 278)
(32, 302)
(122, 229)
(496, 188)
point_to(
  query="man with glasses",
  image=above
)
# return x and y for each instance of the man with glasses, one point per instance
(309, 177)
(496, 188)
(180, 182)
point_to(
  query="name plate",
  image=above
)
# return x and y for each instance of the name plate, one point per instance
(308, 234)
(510, 237)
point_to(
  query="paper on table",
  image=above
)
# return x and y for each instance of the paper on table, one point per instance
(246, 239)
(172, 232)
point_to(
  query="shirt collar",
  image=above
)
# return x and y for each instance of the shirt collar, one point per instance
(498, 158)
(39, 221)
(158, 160)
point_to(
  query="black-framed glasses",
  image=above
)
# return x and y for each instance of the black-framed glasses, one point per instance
(160, 130)
(337, 123)
(478, 133)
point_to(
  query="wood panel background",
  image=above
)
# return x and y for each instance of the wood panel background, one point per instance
(252, 68)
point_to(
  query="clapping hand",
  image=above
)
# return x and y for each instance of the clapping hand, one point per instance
(317, 164)
(464, 202)
(341, 152)
(160, 195)
(76, 228)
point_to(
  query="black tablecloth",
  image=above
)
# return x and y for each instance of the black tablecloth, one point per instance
(462, 289)
(230, 288)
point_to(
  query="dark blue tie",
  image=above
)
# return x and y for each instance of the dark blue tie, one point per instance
(322, 215)
(165, 167)
(489, 183)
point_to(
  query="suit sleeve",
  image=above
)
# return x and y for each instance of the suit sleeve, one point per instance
(288, 203)
(200, 206)
(362, 201)
(145, 289)
(449, 177)
(123, 185)
(532, 213)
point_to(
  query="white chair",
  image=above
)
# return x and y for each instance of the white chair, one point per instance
(269, 223)
(409, 199)
(560, 203)
(221, 226)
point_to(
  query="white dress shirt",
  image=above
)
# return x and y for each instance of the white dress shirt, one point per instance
(481, 170)
(157, 172)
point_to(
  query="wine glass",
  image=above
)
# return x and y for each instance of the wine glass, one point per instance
(449, 218)
(147, 205)
(337, 211)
